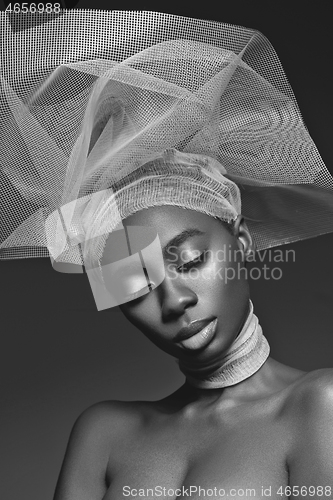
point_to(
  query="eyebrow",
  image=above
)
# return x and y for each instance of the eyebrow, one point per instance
(181, 238)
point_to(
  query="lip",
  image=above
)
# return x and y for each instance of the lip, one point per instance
(202, 338)
(192, 329)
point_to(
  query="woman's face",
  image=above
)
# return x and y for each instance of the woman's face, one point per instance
(214, 286)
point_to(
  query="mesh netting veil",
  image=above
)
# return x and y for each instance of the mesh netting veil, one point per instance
(125, 103)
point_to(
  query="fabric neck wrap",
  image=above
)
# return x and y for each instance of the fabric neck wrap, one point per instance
(246, 355)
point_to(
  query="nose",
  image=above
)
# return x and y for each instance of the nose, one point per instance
(176, 298)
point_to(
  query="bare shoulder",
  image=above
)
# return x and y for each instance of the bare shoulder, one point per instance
(310, 458)
(95, 434)
(310, 405)
(113, 417)
(314, 387)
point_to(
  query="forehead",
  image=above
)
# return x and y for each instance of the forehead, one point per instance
(170, 220)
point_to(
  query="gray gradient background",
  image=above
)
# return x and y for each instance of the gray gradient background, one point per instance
(59, 355)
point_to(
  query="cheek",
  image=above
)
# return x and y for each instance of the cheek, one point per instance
(146, 321)
(138, 314)
(223, 276)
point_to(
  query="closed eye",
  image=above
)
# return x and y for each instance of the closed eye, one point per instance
(196, 262)
(136, 295)
(184, 268)
(140, 293)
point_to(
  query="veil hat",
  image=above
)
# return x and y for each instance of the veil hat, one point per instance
(104, 113)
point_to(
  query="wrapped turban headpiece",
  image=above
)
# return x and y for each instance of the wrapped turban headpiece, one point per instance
(106, 113)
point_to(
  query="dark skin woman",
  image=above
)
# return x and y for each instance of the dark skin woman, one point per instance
(270, 435)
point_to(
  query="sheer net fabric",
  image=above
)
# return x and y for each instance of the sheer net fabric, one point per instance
(90, 99)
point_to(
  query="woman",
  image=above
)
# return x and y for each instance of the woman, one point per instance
(178, 123)
(256, 428)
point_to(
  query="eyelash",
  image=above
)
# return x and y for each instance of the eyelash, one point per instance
(136, 295)
(192, 263)
(188, 265)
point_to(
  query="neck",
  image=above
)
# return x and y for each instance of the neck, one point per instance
(246, 355)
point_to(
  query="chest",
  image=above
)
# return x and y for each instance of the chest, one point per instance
(237, 457)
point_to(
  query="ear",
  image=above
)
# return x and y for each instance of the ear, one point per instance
(244, 238)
